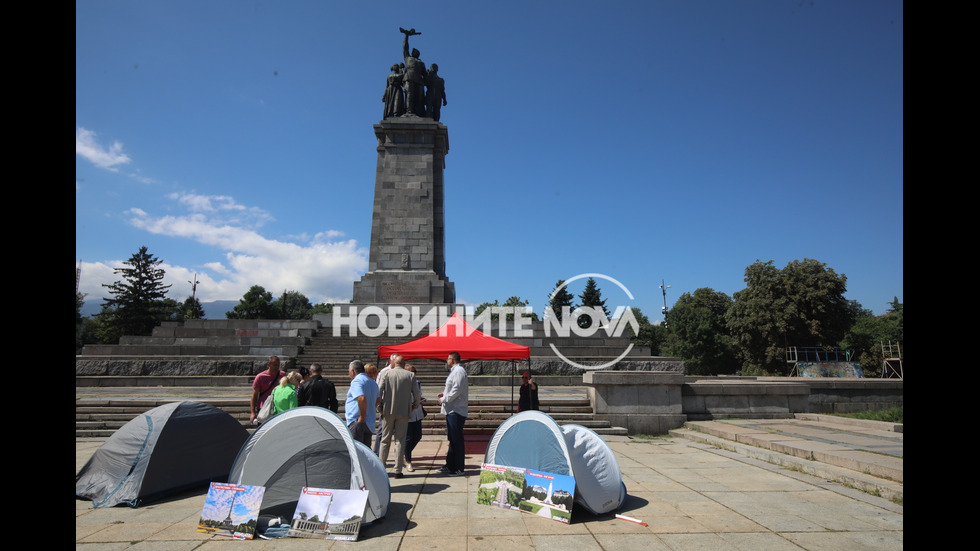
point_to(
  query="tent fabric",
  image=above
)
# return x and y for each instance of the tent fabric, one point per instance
(457, 336)
(173, 447)
(597, 476)
(308, 447)
(530, 439)
(533, 440)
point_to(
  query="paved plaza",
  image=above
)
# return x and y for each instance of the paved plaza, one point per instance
(692, 496)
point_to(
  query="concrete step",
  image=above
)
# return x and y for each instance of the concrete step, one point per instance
(339, 378)
(102, 417)
(866, 456)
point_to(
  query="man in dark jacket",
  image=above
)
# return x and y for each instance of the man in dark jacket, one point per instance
(317, 391)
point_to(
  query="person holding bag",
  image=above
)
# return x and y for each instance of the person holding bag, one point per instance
(262, 388)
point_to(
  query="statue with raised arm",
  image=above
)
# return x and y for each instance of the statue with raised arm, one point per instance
(414, 78)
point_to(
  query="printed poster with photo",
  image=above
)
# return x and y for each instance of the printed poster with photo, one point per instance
(328, 514)
(231, 510)
(544, 494)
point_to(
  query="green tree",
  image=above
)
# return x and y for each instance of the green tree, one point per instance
(801, 305)
(256, 303)
(79, 302)
(513, 301)
(869, 332)
(292, 305)
(591, 297)
(84, 327)
(699, 335)
(138, 301)
(321, 308)
(559, 298)
(895, 310)
(191, 309)
(650, 335)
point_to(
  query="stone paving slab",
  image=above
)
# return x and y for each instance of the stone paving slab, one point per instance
(692, 496)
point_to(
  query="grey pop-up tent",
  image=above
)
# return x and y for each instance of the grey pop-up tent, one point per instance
(173, 447)
(533, 440)
(309, 447)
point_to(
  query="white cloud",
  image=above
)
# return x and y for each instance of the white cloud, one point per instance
(90, 150)
(230, 211)
(322, 269)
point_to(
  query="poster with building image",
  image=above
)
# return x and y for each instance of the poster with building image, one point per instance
(328, 514)
(231, 510)
(540, 493)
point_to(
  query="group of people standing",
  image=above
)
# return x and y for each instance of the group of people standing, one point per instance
(302, 387)
(381, 405)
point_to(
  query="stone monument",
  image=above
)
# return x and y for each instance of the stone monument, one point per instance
(407, 263)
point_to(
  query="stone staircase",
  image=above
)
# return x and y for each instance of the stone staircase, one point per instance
(101, 417)
(865, 455)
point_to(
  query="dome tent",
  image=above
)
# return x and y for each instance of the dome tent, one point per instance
(598, 480)
(309, 447)
(533, 440)
(173, 447)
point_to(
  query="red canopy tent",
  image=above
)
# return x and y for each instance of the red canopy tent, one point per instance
(458, 336)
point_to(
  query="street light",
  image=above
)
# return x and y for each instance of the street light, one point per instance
(663, 289)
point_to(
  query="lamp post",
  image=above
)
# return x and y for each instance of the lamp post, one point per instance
(663, 289)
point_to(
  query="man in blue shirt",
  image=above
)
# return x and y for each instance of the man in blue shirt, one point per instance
(361, 404)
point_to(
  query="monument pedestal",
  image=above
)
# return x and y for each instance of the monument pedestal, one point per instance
(403, 286)
(407, 262)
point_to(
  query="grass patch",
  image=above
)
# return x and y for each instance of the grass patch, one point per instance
(892, 415)
(646, 437)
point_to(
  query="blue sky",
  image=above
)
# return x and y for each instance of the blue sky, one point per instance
(647, 141)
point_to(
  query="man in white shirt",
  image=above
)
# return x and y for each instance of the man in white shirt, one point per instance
(453, 401)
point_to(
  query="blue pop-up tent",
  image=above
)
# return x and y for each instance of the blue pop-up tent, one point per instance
(533, 440)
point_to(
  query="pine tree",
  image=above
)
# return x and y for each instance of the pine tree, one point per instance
(559, 298)
(138, 302)
(591, 297)
(191, 309)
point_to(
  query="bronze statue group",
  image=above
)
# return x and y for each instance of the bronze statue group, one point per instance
(413, 90)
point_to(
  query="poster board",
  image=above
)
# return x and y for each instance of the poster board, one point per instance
(544, 494)
(231, 510)
(328, 514)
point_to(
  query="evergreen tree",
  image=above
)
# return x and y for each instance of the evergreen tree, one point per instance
(591, 297)
(191, 309)
(138, 302)
(559, 298)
